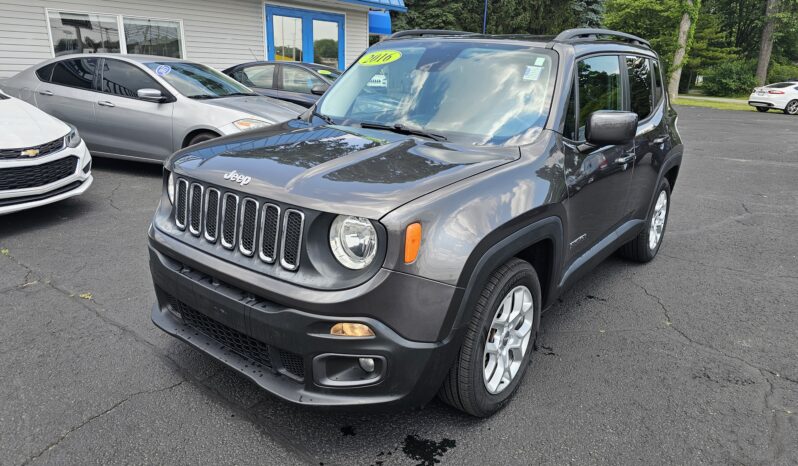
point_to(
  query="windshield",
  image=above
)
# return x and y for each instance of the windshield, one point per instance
(198, 81)
(329, 73)
(485, 93)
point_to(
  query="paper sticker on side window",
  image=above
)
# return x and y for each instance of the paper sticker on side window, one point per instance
(532, 73)
(163, 70)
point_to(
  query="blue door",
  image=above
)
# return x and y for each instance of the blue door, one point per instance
(308, 36)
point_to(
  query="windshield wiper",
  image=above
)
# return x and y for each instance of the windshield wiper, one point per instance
(202, 96)
(248, 94)
(326, 118)
(402, 129)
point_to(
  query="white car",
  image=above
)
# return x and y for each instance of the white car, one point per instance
(781, 96)
(42, 159)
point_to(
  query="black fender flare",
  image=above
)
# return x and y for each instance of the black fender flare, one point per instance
(491, 253)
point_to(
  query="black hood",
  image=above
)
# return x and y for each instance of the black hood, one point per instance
(339, 169)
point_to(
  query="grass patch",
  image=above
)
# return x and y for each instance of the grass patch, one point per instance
(714, 104)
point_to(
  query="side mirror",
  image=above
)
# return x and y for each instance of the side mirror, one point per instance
(150, 95)
(610, 128)
(319, 89)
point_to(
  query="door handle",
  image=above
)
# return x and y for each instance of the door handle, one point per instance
(105, 103)
(625, 160)
(660, 140)
(47, 93)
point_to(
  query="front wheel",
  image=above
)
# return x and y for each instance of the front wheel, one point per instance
(791, 108)
(646, 245)
(498, 342)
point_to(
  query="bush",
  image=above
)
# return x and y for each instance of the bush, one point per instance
(730, 78)
(780, 73)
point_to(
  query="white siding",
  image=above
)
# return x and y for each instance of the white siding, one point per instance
(217, 33)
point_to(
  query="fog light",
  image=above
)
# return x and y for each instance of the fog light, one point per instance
(349, 329)
(367, 364)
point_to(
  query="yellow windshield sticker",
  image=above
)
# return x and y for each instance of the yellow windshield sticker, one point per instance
(380, 57)
(324, 72)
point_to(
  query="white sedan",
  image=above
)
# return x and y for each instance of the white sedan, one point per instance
(781, 96)
(42, 159)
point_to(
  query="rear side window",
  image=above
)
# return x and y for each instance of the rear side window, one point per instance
(123, 79)
(45, 73)
(77, 72)
(256, 76)
(658, 89)
(640, 86)
(599, 80)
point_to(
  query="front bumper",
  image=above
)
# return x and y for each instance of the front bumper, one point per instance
(289, 351)
(73, 185)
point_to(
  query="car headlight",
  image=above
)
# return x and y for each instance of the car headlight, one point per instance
(170, 187)
(353, 241)
(251, 123)
(73, 138)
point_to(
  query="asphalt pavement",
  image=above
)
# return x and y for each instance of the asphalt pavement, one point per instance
(692, 358)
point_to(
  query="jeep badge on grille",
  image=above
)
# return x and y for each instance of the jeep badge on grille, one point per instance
(236, 177)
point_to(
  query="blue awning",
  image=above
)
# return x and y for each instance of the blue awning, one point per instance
(380, 22)
(390, 5)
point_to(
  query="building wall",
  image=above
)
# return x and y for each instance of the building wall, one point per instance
(217, 33)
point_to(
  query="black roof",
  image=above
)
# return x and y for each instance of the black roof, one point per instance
(569, 36)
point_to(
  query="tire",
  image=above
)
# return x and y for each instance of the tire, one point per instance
(201, 137)
(762, 109)
(465, 387)
(791, 108)
(643, 248)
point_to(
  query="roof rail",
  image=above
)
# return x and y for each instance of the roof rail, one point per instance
(587, 33)
(428, 32)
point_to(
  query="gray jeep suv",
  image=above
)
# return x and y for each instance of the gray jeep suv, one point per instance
(401, 238)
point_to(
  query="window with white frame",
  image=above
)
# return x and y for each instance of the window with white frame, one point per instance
(73, 32)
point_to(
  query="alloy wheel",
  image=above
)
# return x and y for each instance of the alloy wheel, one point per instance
(508, 339)
(792, 107)
(658, 220)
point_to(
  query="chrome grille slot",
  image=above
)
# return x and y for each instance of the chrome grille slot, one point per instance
(229, 216)
(195, 209)
(249, 223)
(180, 203)
(293, 222)
(269, 228)
(211, 214)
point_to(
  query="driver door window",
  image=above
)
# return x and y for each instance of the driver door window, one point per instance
(261, 76)
(599, 80)
(124, 80)
(295, 79)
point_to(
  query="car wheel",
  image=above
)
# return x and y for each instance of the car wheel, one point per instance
(762, 109)
(201, 137)
(646, 245)
(791, 108)
(498, 342)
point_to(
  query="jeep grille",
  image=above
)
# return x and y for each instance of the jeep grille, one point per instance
(254, 228)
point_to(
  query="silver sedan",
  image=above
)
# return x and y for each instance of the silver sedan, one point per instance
(144, 107)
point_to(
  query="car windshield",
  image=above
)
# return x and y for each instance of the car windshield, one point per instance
(198, 81)
(483, 93)
(329, 73)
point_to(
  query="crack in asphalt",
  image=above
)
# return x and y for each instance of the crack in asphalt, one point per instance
(775, 444)
(211, 392)
(750, 273)
(110, 197)
(94, 417)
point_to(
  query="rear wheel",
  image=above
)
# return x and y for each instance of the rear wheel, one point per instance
(646, 245)
(791, 108)
(498, 342)
(762, 109)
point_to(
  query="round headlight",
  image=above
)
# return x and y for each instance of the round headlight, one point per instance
(170, 187)
(353, 241)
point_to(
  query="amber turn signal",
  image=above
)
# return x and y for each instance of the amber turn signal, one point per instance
(349, 329)
(412, 242)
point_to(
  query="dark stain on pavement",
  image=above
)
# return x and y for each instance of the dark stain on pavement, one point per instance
(427, 452)
(347, 431)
